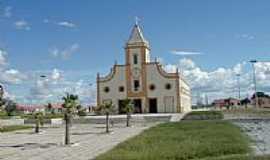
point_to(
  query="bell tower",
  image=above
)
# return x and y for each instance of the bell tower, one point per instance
(137, 56)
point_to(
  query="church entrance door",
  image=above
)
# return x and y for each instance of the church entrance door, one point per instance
(137, 105)
(121, 107)
(153, 105)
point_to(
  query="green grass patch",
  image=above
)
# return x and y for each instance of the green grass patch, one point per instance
(14, 128)
(182, 141)
(204, 115)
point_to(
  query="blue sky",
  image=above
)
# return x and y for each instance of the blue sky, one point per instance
(73, 40)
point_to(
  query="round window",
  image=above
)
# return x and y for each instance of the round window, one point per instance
(152, 87)
(106, 89)
(168, 86)
(121, 89)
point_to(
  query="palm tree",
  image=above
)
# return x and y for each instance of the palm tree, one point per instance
(70, 103)
(39, 120)
(107, 108)
(128, 108)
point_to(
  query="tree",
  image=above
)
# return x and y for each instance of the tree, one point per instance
(107, 108)
(128, 108)
(39, 120)
(70, 103)
(10, 107)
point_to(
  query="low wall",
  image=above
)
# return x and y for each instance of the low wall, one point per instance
(9, 122)
(92, 120)
(55, 121)
(122, 119)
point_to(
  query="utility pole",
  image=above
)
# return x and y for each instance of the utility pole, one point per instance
(239, 87)
(253, 62)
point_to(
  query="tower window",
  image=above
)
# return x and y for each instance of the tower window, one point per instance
(135, 59)
(136, 85)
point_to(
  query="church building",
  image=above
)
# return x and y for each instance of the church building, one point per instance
(151, 88)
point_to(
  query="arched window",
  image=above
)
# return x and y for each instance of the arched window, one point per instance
(136, 85)
(135, 59)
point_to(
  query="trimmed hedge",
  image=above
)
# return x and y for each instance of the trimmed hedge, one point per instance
(204, 115)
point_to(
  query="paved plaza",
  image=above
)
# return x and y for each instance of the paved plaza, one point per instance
(89, 141)
(259, 132)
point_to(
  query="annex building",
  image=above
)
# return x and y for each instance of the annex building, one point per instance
(151, 88)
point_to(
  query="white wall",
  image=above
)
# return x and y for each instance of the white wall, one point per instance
(154, 77)
(119, 79)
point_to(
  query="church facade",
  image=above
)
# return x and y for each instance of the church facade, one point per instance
(151, 88)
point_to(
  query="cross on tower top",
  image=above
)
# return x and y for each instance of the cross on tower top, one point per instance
(137, 19)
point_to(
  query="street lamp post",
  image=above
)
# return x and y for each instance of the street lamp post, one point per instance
(239, 88)
(254, 81)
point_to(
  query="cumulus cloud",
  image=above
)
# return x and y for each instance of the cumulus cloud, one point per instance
(12, 76)
(222, 82)
(22, 25)
(64, 53)
(185, 53)
(57, 82)
(56, 75)
(9, 76)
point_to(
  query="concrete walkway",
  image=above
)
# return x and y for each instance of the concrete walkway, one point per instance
(90, 141)
(259, 131)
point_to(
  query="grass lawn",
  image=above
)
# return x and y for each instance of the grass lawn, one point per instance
(208, 140)
(14, 128)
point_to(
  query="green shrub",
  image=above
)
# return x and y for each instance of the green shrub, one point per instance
(14, 128)
(204, 115)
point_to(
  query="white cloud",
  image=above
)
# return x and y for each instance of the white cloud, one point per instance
(64, 53)
(185, 53)
(245, 36)
(46, 21)
(12, 76)
(66, 24)
(7, 12)
(3, 60)
(22, 25)
(46, 90)
(9, 76)
(222, 82)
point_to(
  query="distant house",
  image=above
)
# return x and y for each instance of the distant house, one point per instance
(30, 108)
(263, 100)
(54, 108)
(224, 103)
